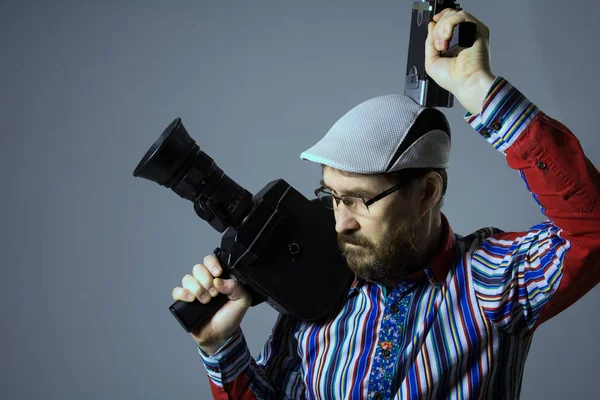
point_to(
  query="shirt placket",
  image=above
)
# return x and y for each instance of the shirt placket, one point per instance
(389, 344)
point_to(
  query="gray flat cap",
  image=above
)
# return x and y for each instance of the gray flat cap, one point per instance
(384, 134)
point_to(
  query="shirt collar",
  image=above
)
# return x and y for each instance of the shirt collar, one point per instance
(442, 262)
(438, 267)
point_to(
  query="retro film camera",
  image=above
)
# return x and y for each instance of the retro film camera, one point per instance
(280, 245)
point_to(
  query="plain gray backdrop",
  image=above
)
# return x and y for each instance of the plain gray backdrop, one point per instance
(90, 254)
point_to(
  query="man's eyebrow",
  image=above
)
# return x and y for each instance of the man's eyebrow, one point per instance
(353, 192)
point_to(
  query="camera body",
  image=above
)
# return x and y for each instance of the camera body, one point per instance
(280, 245)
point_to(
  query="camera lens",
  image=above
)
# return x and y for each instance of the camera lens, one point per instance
(176, 162)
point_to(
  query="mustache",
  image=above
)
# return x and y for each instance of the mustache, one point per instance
(345, 238)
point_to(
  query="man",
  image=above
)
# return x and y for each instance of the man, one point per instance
(431, 314)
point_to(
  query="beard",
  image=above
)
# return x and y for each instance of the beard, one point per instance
(392, 257)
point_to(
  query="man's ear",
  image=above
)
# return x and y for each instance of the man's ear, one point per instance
(431, 186)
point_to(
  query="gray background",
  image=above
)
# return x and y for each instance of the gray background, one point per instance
(90, 254)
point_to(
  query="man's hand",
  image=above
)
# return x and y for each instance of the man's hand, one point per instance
(205, 284)
(468, 76)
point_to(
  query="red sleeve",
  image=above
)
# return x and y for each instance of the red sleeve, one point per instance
(567, 186)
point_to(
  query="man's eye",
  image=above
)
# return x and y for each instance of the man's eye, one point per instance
(349, 201)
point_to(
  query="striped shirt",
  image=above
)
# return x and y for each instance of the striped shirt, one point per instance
(462, 327)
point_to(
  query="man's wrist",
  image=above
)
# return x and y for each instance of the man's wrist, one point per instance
(474, 91)
(228, 361)
(209, 350)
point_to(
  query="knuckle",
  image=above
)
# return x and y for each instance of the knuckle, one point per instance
(446, 33)
(203, 296)
(180, 293)
(204, 277)
(198, 269)
(198, 291)
(187, 278)
(448, 11)
(191, 283)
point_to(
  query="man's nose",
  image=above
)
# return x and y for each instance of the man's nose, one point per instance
(345, 219)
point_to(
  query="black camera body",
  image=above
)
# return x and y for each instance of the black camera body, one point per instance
(280, 245)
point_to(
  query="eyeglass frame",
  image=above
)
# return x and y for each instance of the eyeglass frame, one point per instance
(367, 203)
(410, 176)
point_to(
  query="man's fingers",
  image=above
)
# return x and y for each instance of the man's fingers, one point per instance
(445, 11)
(213, 264)
(442, 32)
(191, 283)
(205, 278)
(182, 294)
(231, 288)
(431, 52)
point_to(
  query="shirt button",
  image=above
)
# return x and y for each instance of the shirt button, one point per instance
(214, 369)
(386, 353)
(395, 309)
(541, 165)
(485, 132)
(496, 126)
(377, 396)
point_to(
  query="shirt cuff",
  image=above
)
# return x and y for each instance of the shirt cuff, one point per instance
(229, 361)
(506, 113)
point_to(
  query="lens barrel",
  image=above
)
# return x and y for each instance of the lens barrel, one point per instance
(176, 162)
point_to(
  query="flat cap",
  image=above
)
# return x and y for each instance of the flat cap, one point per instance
(385, 134)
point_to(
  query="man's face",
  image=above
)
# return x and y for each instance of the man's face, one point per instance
(381, 244)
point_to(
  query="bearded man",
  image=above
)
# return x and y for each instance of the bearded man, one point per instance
(431, 314)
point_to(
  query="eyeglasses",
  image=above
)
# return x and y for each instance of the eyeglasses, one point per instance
(356, 204)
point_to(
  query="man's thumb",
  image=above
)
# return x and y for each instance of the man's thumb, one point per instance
(231, 289)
